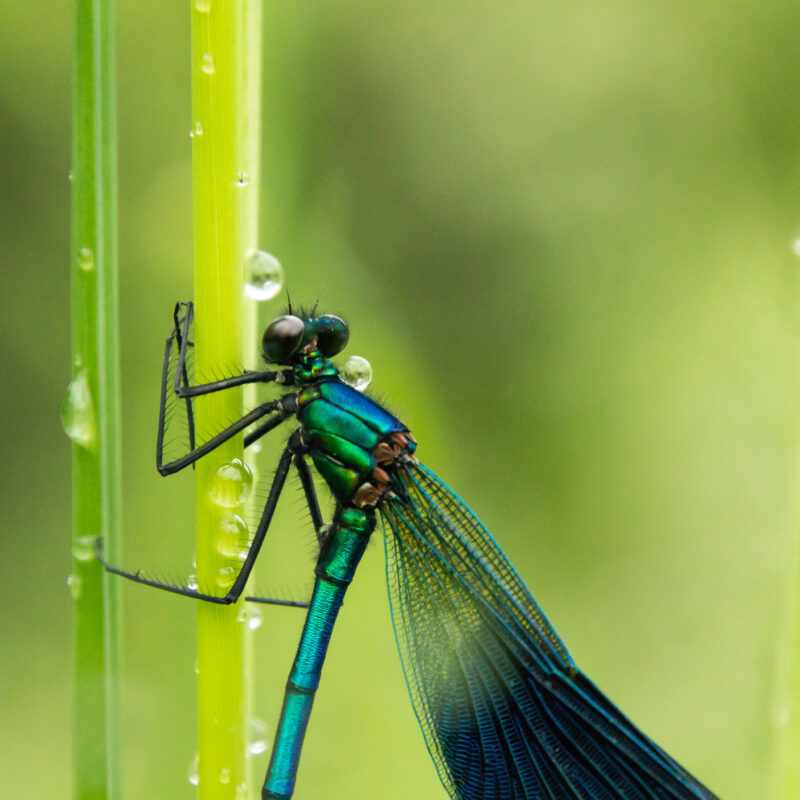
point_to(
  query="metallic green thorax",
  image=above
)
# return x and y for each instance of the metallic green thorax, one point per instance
(342, 427)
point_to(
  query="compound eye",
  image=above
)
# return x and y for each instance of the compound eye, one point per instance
(332, 334)
(282, 339)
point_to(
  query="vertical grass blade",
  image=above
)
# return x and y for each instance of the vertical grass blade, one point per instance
(221, 183)
(252, 20)
(91, 413)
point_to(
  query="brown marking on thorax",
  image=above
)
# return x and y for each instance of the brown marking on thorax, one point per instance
(387, 453)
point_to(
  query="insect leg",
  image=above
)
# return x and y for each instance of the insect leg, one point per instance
(184, 390)
(137, 577)
(309, 491)
(180, 386)
(180, 334)
(241, 579)
(223, 436)
(258, 432)
(266, 517)
(316, 518)
(296, 448)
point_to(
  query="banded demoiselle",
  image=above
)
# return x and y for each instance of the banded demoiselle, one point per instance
(505, 712)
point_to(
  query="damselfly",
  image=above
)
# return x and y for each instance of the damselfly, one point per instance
(505, 712)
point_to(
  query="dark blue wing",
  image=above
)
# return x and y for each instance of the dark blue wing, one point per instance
(505, 713)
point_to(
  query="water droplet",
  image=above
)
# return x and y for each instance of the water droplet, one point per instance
(196, 667)
(233, 539)
(86, 259)
(263, 275)
(70, 176)
(231, 484)
(251, 614)
(77, 412)
(207, 64)
(356, 371)
(203, 6)
(257, 741)
(83, 548)
(75, 583)
(198, 128)
(242, 179)
(241, 792)
(254, 618)
(193, 772)
(255, 448)
(191, 583)
(225, 577)
(225, 775)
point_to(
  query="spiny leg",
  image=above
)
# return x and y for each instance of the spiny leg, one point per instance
(310, 492)
(137, 577)
(268, 425)
(314, 511)
(242, 379)
(266, 517)
(223, 436)
(181, 384)
(247, 566)
(184, 393)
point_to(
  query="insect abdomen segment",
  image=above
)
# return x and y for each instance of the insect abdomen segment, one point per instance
(335, 569)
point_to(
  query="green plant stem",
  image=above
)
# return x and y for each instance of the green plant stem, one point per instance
(220, 185)
(252, 19)
(92, 409)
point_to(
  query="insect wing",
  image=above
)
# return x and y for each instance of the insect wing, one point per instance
(505, 713)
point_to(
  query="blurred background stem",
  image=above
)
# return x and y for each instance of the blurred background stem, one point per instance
(91, 411)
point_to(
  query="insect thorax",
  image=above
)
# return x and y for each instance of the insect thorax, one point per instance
(354, 442)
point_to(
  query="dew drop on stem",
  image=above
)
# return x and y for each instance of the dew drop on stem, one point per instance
(77, 412)
(257, 737)
(263, 275)
(233, 538)
(83, 548)
(75, 583)
(231, 484)
(193, 771)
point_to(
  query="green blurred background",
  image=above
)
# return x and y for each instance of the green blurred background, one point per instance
(562, 234)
